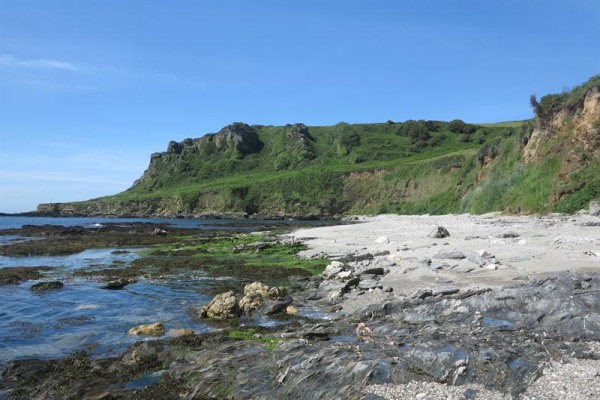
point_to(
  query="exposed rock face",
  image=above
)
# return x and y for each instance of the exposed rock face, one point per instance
(239, 136)
(581, 124)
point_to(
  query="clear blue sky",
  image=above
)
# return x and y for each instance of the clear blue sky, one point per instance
(89, 89)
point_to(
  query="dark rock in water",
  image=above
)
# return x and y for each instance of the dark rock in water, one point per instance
(9, 280)
(277, 306)
(439, 233)
(118, 284)
(45, 286)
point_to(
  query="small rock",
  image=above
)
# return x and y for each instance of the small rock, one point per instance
(509, 235)
(157, 328)
(387, 289)
(222, 306)
(369, 284)
(451, 255)
(374, 271)
(522, 242)
(424, 260)
(180, 332)
(491, 266)
(291, 310)
(159, 232)
(382, 240)
(421, 396)
(422, 293)
(476, 259)
(445, 290)
(44, 286)
(439, 233)
(118, 284)
(484, 254)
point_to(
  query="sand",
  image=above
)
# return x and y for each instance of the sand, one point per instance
(516, 248)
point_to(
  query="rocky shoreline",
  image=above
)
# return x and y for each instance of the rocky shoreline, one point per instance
(497, 307)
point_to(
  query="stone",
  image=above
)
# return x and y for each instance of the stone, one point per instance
(45, 286)
(118, 284)
(256, 287)
(450, 255)
(445, 290)
(251, 302)
(439, 233)
(424, 260)
(277, 306)
(276, 292)
(484, 254)
(594, 208)
(382, 240)
(291, 310)
(180, 332)
(422, 293)
(154, 329)
(369, 284)
(159, 232)
(476, 259)
(374, 271)
(222, 306)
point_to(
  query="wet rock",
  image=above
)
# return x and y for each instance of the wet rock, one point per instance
(118, 284)
(180, 332)
(449, 255)
(251, 302)
(439, 233)
(256, 288)
(276, 306)
(276, 292)
(45, 286)
(222, 306)
(9, 280)
(154, 329)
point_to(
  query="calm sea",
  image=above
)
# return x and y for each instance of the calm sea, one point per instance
(83, 316)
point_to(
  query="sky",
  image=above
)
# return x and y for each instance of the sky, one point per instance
(90, 89)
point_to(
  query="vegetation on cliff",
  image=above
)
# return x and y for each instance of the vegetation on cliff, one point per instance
(548, 163)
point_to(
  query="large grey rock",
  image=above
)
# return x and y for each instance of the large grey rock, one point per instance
(45, 286)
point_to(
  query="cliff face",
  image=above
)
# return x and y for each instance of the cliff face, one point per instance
(548, 164)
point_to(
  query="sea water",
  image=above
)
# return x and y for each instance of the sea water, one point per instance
(81, 315)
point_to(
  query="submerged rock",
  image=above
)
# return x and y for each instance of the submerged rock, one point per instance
(45, 286)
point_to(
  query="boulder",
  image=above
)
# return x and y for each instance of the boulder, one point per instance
(439, 233)
(476, 259)
(276, 292)
(45, 286)
(251, 302)
(222, 306)
(256, 287)
(156, 328)
(277, 306)
(180, 332)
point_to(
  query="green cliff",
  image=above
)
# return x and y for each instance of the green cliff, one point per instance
(549, 163)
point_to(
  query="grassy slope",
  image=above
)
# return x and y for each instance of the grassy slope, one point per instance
(367, 168)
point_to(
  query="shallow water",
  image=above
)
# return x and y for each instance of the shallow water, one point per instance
(81, 315)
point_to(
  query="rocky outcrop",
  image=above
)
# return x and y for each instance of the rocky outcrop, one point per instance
(259, 297)
(223, 306)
